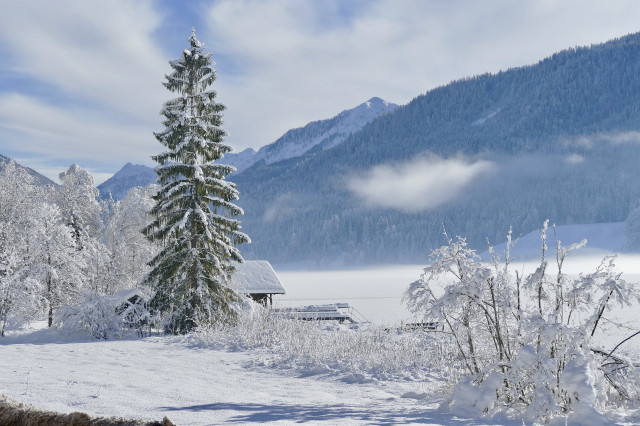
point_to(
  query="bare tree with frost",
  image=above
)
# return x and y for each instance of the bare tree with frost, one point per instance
(528, 344)
(81, 211)
(129, 252)
(40, 266)
(54, 259)
(79, 204)
(194, 210)
(20, 293)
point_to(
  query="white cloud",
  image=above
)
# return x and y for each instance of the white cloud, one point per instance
(574, 159)
(94, 51)
(282, 63)
(420, 184)
(595, 139)
(70, 135)
(90, 84)
(280, 207)
(302, 61)
(622, 137)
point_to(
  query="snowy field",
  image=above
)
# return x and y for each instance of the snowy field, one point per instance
(197, 384)
(160, 376)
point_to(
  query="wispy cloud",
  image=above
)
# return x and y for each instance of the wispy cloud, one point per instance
(281, 63)
(293, 62)
(574, 159)
(71, 134)
(596, 139)
(280, 207)
(417, 185)
(91, 51)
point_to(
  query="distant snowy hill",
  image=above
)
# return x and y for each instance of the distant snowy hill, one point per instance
(322, 134)
(241, 160)
(129, 176)
(40, 179)
(601, 238)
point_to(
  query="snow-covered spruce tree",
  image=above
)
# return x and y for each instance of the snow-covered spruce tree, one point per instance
(193, 214)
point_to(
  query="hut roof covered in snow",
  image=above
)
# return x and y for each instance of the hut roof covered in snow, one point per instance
(256, 277)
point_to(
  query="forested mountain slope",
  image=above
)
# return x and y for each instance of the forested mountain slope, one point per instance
(559, 140)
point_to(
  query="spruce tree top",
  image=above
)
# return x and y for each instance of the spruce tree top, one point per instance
(195, 196)
(192, 122)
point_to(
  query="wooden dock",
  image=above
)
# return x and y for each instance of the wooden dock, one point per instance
(341, 312)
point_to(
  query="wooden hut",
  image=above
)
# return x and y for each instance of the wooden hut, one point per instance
(257, 279)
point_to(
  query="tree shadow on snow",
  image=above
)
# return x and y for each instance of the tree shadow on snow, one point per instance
(334, 414)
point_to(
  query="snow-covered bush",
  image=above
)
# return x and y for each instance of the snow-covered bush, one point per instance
(20, 300)
(105, 317)
(527, 343)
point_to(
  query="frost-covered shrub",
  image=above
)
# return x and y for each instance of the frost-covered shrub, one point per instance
(536, 385)
(526, 343)
(104, 317)
(366, 351)
(20, 300)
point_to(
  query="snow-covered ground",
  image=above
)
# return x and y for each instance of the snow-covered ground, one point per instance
(196, 384)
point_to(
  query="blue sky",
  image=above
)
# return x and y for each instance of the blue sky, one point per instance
(80, 81)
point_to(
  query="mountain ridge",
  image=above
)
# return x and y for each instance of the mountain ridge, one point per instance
(39, 178)
(556, 140)
(550, 132)
(129, 176)
(317, 135)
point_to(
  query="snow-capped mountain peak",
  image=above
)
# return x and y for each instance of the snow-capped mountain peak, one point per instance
(322, 134)
(376, 102)
(127, 177)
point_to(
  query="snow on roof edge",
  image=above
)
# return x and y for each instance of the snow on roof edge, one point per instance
(255, 277)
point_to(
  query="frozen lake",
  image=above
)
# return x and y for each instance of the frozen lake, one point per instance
(377, 292)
